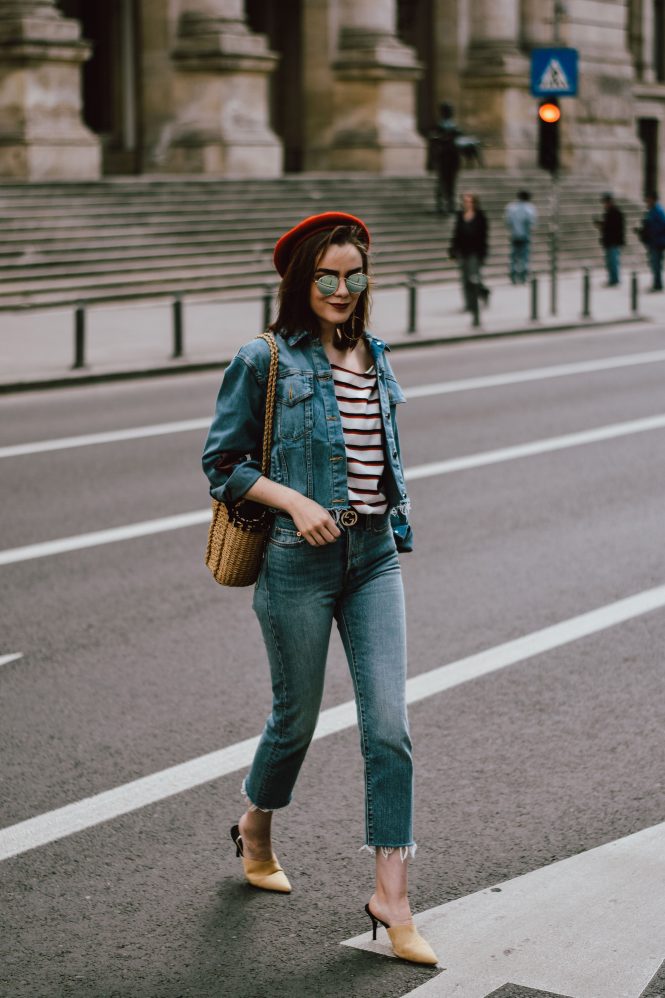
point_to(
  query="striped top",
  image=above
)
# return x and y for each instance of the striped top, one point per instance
(359, 407)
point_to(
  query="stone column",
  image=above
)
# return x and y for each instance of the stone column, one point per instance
(536, 24)
(495, 103)
(220, 95)
(42, 135)
(373, 124)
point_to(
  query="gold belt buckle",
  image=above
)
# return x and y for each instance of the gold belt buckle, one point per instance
(348, 518)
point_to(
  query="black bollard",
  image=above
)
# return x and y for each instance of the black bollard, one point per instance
(586, 294)
(634, 293)
(178, 328)
(412, 289)
(79, 336)
(534, 298)
(554, 273)
(267, 306)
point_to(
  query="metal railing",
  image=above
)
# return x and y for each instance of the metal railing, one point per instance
(412, 285)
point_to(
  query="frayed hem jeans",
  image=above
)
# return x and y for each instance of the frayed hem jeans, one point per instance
(301, 589)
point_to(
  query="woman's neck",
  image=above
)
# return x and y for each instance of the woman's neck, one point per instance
(357, 358)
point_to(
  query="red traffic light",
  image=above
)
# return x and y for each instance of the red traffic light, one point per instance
(549, 113)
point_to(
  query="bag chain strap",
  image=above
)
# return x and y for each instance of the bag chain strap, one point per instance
(270, 401)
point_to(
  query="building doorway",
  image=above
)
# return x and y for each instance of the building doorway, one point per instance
(415, 27)
(282, 25)
(648, 133)
(111, 79)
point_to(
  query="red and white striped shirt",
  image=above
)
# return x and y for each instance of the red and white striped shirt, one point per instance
(360, 410)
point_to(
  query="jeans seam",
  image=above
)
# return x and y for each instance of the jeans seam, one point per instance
(363, 728)
(268, 768)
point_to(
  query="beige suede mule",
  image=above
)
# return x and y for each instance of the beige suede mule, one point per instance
(266, 874)
(406, 941)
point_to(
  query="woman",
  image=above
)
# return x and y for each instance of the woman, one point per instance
(469, 248)
(337, 488)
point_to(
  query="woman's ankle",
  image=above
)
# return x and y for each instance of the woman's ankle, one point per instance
(394, 909)
(255, 827)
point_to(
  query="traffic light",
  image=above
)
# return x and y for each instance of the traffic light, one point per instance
(549, 116)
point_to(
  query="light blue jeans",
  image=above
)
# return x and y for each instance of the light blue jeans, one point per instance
(612, 264)
(301, 589)
(519, 260)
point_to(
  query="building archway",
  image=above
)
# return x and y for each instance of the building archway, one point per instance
(111, 105)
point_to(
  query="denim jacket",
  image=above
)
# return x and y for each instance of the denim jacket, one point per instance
(308, 452)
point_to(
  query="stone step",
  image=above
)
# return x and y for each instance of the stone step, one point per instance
(65, 241)
(258, 259)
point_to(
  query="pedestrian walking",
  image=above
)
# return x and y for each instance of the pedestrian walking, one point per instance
(445, 158)
(520, 218)
(337, 488)
(652, 234)
(612, 238)
(469, 246)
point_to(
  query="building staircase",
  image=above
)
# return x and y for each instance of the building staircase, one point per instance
(140, 238)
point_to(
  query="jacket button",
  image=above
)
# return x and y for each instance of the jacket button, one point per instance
(395, 453)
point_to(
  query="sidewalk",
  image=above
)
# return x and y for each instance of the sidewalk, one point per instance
(37, 348)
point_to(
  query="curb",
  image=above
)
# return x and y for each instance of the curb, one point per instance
(74, 379)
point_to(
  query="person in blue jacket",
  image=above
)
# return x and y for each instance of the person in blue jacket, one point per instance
(652, 234)
(336, 486)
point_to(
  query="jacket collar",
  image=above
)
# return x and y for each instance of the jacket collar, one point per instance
(376, 346)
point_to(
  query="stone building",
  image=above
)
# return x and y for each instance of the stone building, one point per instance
(257, 88)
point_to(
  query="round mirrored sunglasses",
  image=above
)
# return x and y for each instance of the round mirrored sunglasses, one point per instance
(329, 283)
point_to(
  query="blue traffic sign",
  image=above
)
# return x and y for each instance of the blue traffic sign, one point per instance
(554, 72)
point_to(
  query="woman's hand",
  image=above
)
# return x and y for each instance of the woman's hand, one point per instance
(312, 521)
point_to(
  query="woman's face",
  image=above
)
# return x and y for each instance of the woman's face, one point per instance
(333, 310)
(468, 202)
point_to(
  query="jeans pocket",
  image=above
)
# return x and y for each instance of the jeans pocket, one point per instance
(285, 537)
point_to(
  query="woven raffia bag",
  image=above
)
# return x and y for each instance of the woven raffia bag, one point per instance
(237, 537)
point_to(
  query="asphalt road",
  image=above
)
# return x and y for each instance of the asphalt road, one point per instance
(133, 661)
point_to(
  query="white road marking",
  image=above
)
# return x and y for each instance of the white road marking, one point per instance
(79, 541)
(417, 391)
(67, 820)
(111, 436)
(589, 926)
(610, 432)
(11, 555)
(536, 374)
(6, 659)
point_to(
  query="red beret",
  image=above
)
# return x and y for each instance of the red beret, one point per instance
(286, 245)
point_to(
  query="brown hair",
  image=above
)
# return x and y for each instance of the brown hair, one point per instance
(475, 200)
(294, 312)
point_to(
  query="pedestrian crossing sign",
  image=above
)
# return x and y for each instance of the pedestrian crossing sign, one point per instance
(554, 72)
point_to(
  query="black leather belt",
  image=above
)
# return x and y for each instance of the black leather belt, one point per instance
(361, 521)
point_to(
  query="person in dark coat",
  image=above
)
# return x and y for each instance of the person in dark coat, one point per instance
(612, 237)
(445, 158)
(469, 247)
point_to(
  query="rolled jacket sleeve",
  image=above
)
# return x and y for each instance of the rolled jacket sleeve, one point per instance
(232, 452)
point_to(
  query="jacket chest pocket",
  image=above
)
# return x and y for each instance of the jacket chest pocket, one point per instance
(294, 406)
(395, 394)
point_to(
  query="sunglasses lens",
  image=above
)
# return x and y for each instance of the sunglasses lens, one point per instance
(327, 284)
(355, 283)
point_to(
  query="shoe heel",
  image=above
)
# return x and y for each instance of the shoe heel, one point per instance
(237, 841)
(376, 922)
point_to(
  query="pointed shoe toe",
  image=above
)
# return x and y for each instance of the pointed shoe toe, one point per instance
(266, 874)
(408, 944)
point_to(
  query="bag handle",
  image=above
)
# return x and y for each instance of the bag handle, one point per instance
(271, 392)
